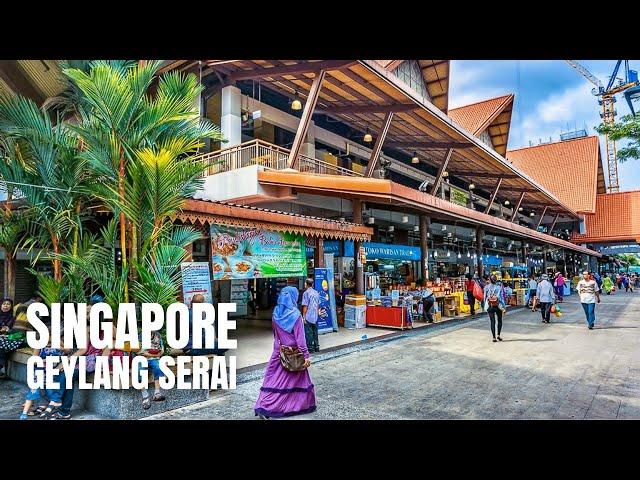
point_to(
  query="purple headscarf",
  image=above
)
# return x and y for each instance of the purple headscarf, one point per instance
(286, 312)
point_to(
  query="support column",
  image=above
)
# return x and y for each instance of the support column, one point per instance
(377, 148)
(358, 271)
(309, 146)
(318, 253)
(441, 170)
(544, 212)
(424, 251)
(230, 119)
(524, 256)
(517, 207)
(493, 197)
(358, 268)
(479, 239)
(305, 120)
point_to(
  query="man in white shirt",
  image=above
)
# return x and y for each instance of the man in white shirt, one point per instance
(545, 295)
(589, 293)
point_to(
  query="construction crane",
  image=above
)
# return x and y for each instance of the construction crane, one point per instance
(608, 114)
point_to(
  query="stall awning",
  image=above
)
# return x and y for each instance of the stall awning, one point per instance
(223, 213)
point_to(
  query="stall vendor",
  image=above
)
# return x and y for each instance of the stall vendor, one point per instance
(428, 299)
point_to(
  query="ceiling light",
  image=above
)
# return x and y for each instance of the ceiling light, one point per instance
(371, 220)
(444, 228)
(416, 228)
(296, 104)
(472, 186)
(415, 158)
(448, 253)
(392, 228)
(468, 255)
(435, 253)
(532, 214)
(367, 136)
(506, 202)
(445, 174)
(405, 218)
(520, 209)
(459, 256)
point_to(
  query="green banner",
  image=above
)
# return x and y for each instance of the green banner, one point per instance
(254, 253)
(459, 197)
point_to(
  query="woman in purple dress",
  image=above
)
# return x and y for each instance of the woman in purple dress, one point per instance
(286, 393)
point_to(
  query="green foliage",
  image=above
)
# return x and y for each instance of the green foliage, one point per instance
(628, 128)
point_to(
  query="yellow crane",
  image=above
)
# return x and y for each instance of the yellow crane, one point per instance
(608, 113)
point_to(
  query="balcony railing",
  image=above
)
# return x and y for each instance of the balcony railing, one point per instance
(273, 157)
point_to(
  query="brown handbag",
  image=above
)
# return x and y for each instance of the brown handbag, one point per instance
(291, 358)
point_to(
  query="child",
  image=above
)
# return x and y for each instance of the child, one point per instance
(153, 355)
(34, 394)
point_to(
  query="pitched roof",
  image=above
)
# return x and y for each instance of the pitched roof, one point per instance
(493, 115)
(436, 78)
(569, 169)
(617, 218)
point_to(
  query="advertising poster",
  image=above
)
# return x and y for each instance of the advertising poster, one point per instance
(239, 295)
(245, 253)
(196, 278)
(325, 320)
(328, 261)
(459, 197)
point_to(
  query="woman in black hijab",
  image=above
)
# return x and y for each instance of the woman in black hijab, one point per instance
(6, 324)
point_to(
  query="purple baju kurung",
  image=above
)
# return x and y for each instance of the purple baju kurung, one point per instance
(286, 393)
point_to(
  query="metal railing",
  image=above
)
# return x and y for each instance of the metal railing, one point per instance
(259, 152)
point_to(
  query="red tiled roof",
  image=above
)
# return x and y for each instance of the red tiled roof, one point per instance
(476, 117)
(567, 169)
(617, 218)
(493, 115)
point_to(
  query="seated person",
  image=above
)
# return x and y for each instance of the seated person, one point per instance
(189, 350)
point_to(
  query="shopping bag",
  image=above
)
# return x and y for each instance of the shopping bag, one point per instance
(553, 308)
(477, 292)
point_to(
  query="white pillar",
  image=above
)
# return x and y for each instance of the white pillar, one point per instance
(309, 146)
(230, 120)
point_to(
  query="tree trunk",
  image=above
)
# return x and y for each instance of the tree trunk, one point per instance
(10, 276)
(57, 270)
(123, 222)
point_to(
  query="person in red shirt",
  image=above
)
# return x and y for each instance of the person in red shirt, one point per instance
(469, 284)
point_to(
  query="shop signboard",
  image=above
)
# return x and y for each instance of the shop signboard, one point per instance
(325, 319)
(196, 278)
(239, 295)
(245, 253)
(459, 197)
(330, 246)
(386, 251)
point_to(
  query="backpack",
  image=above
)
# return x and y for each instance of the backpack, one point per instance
(493, 300)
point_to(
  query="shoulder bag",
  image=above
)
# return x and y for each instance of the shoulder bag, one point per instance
(291, 358)
(493, 299)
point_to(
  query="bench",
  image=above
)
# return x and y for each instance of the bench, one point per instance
(110, 403)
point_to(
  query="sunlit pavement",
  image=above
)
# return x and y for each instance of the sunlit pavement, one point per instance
(454, 371)
(557, 371)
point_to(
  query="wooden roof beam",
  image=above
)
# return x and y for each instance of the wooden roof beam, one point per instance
(400, 107)
(377, 148)
(493, 196)
(307, 113)
(441, 170)
(306, 67)
(418, 144)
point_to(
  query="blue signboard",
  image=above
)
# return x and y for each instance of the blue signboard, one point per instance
(614, 249)
(330, 246)
(383, 250)
(325, 320)
(372, 250)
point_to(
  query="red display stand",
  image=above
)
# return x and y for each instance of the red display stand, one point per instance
(389, 317)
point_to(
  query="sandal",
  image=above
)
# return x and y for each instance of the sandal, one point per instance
(146, 403)
(38, 411)
(49, 411)
(158, 397)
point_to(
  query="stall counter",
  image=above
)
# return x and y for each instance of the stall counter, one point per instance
(390, 317)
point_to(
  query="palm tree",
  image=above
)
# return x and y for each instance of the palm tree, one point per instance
(130, 138)
(41, 159)
(630, 259)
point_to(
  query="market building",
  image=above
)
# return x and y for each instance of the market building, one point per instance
(364, 161)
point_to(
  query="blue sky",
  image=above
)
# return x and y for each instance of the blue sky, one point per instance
(550, 98)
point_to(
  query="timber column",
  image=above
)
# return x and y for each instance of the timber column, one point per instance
(358, 267)
(479, 240)
(318, 253)
(424, 252)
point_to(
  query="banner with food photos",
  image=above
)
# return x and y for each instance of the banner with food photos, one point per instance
(239, 253)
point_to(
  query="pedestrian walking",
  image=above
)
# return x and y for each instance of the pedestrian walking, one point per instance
(559, 286)
(533, 286)
(545, 296)
(310, 307)
(626, 283)
(589, 295)
(494, 303)
(284, 393)
(469, 284)
(607, 284)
